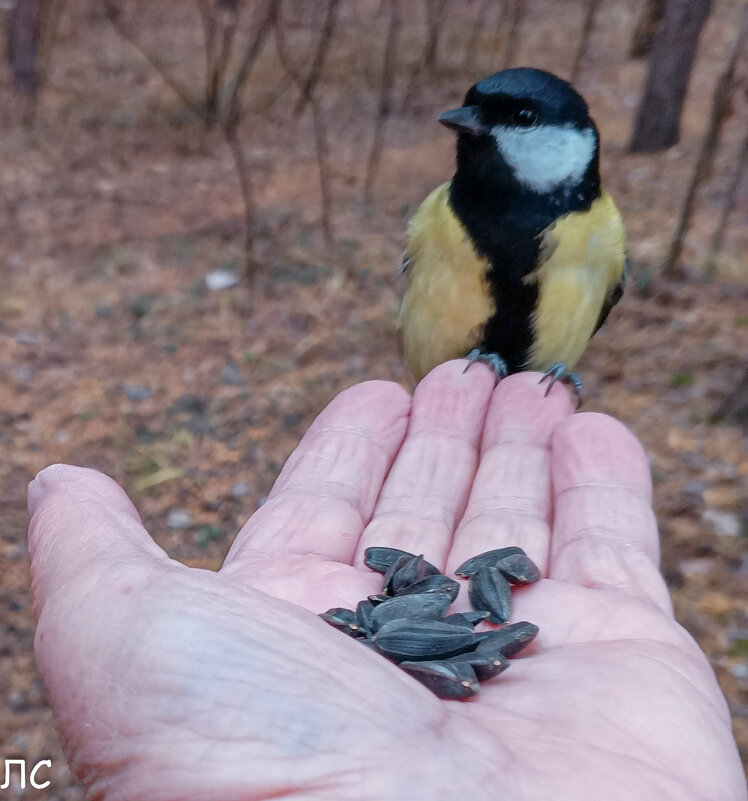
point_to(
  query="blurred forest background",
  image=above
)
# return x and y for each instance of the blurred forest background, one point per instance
(201, 207)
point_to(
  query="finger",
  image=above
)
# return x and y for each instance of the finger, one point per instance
(510, 500)
(82, 524)
(604, 531)
(426, 490)
(327, 489)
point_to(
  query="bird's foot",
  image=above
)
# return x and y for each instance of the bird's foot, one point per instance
(560, 372)
(493, 360)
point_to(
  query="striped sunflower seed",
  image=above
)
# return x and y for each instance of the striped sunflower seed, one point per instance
(509, 640)
(466, 618)
(379, 559)
(344, 620)
(519, 569)
(447, 680)
(434, 583)
(411, 572)
(364, 616)
(485, 666)
(391, 570)
(490, 591)
(420, 640)
(487, 559)
(422, 606)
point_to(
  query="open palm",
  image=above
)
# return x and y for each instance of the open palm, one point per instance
(175, 683)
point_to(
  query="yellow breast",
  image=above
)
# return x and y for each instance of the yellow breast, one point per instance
(448, 299)
(585, 254)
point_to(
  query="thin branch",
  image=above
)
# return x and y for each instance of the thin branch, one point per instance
(471, 48)
(498, 33)
(318, 123)
(584, 39)
(512, 37)
(113, 12)
(229, 19)
(718, 237)
(267, 19)
(385, 98)
(646, 28)
(49, 21)
(719, 111)
(435, 13)
(428, 56)
(318, 62)
(244, 174)
(208, 23)
(230, 119)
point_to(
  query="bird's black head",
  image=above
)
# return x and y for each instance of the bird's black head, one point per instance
(527, 132)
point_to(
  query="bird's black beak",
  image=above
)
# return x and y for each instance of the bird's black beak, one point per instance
(463, 120)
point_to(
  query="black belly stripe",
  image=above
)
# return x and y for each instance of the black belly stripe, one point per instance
(504, 222)
(510, 331)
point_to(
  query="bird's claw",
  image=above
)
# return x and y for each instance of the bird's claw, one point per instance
(493, 360)
(560, 372)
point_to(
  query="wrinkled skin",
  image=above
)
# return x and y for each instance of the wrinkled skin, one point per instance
(170, 682)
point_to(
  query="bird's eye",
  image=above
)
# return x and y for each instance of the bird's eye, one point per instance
(525, 118)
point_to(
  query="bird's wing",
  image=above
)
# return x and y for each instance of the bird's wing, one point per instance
(615, 294)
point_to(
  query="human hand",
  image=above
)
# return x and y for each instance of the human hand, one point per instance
(170, 682)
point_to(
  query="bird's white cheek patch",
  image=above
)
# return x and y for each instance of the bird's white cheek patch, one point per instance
(547, 156)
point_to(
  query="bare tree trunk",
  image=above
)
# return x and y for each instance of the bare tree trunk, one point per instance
(673, 52)
(732, 191)
(646, 28)
(719, 111)
(385, 98)
(23, 37)
(584, 38)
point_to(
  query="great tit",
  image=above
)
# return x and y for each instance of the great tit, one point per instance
(517, 260)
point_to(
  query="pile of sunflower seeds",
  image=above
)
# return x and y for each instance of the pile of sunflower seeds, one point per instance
(408, 622)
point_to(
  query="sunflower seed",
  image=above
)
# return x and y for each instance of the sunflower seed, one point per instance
(379, 559)
(391, 570)
(411, 572)
(519, 569)
(486, 666)
(417, 640)
(423, 606)
(364, 615)
(377, 599)
(444, 679)
(490, 591)
(344, 620)
(434, 583)
(466, 618)
(487, 559)
(508, 641)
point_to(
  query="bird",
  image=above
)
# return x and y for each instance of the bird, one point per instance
(519, 258)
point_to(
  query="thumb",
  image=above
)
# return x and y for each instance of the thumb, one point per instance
(82, 526)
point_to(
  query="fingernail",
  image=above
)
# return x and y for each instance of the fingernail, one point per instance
(39, 487)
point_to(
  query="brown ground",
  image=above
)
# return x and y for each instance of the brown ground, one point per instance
(112, 213)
